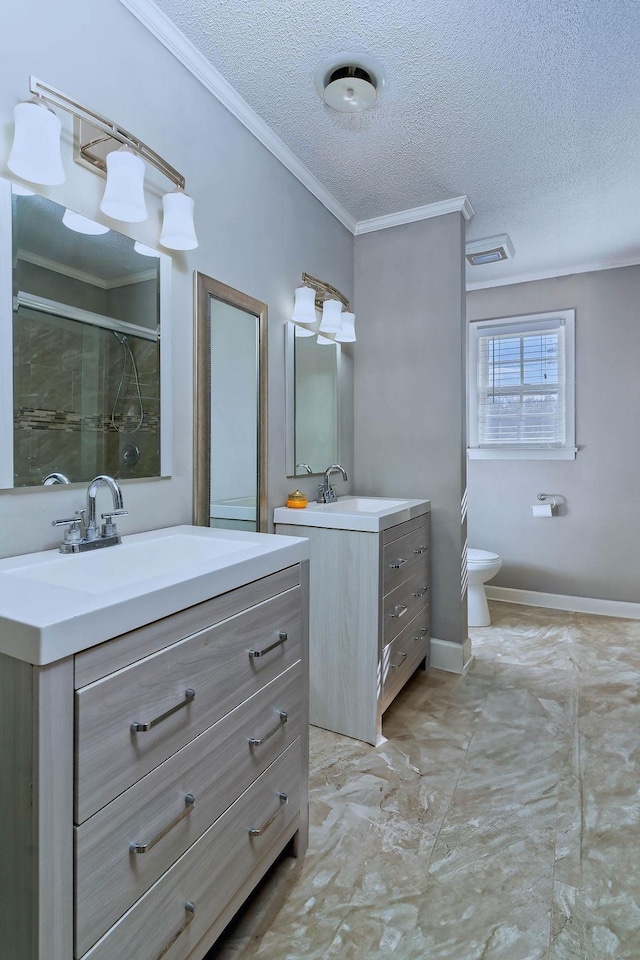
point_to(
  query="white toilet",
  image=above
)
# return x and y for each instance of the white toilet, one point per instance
(481, 566)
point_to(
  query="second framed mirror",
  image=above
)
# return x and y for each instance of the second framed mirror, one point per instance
(230, 414)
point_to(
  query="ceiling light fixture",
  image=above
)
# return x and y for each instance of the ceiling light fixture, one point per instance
(104, 147)
(318, 294)
(349, 82)
(489, 250)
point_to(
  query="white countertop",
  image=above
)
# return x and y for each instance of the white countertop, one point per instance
(369, 514)
(54, 605)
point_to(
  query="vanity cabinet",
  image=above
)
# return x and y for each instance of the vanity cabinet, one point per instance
(150, 781)
(369, 618)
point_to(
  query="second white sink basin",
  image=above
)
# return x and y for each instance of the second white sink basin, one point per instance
(353, 513)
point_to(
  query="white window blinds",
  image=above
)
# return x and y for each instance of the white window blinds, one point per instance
(522, 383)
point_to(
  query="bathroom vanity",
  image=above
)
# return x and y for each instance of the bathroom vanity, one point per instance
(369, 605)
(154, 752)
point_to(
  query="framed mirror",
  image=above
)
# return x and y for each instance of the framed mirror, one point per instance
(313, 373)
(85, 348)
(230, 422)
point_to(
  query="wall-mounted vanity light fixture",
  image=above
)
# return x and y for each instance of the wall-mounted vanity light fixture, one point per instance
(104, 147)
(337, 323)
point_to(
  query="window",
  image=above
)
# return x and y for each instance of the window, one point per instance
(521, 387)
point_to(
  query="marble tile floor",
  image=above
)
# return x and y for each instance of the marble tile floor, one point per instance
(500, 820)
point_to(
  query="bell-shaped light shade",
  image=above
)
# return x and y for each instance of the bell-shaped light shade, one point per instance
(331, 317)
(124, 193)
(144, 250)
(348, 332)
(75, 221)
(303, 331)
(178, 231)
(304, 308)
(324, 340)
(35, 154)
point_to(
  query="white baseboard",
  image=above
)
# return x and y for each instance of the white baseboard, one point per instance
(557, 601)
(450, 656)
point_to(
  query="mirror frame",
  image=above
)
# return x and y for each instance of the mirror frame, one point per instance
(165, 309)
(207, 288)
(290, 404)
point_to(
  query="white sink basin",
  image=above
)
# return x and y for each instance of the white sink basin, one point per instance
(112, 567)
(52, 605)
(371, 514)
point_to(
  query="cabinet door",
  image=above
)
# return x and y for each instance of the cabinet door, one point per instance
(132, 720)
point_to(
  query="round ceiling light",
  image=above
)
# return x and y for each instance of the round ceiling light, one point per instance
(349, 82)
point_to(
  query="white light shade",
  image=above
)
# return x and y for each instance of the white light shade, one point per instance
(348, 332)
(331, 317)
(304, 308)
(303, 331)
(144, 250)
(324, 340)
(350, 94)
(124, 193)
(75, 221)
(35, 154)
(178, 231)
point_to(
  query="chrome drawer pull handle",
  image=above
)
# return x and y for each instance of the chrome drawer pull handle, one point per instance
(281, 722)
(190, 909)
(137, 727)
(422, 549)
(258, 831)
(189, 801)
(399, 610)
(421, 592)
(397, 564)
(282, 636)
(423, 632)
(403, 657)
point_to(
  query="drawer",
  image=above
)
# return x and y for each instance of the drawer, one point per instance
(404, 603)
(213, 770)
(401, 657)
(220, 665)
(208, 875)
(401, 558)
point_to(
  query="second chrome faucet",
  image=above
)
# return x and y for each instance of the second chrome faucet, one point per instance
(326, 493)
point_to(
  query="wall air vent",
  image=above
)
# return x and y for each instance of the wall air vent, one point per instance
(490, 250)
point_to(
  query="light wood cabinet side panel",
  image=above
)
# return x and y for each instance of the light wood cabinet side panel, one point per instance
(99, 661)
(343, 629)
(18, 904)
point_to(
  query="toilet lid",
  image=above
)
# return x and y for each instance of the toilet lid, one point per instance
(480, 556)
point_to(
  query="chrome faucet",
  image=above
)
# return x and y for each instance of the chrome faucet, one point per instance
(326, 493)
(52, 478)
(75, 539)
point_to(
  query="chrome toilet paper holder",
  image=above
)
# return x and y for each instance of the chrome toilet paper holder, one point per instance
(546, 497)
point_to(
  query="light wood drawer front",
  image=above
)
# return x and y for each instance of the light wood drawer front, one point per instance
(210, 872)
(106, 658)
(408, 526)
(401, 605)
(214, 769)
(401, 558)
(401, 657)
(215, 664)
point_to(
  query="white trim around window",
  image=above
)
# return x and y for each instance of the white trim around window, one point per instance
(521, 380)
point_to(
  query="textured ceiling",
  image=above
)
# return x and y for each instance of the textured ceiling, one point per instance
(529, 107)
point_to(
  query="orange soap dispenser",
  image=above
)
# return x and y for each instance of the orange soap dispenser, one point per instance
(297, 500)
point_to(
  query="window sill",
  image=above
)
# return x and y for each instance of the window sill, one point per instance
(519, 453)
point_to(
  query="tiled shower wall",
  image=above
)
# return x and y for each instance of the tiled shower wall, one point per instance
(66, 376)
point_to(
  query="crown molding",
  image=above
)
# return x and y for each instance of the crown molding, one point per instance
(454, 205)
(183, 50)
(551, 274)
(74, 274)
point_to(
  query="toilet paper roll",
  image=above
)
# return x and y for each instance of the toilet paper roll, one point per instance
(542, 509)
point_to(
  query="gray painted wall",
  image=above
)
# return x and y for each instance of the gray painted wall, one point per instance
(410, 434)
(258, 227)
(591, 549)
